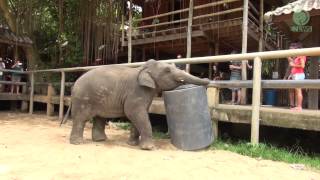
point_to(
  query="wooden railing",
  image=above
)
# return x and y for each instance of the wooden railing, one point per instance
(184, 20)
(213, 88)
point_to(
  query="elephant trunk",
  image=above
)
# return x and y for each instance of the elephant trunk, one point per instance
(190, 79)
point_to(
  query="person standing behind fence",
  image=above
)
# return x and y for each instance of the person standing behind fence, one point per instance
(297, 65)
(180, 66)
(236, 68)
(16, 77)
(2, 66)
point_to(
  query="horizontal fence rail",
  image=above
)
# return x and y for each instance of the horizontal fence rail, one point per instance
(187, 9)
(272, 84)
(14, 83)
(267, 55)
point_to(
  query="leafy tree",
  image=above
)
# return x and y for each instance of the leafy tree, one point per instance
(66, 32)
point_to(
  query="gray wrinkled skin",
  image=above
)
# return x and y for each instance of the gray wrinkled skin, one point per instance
(118, 91)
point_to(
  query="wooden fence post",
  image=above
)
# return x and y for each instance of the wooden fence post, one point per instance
(256, 101)
(129, 36)
(189, 34)
(24, 104)
(31, 93)
(244, 47)
(213, 101)
(50, 105)
(61, 104)
(122, 32)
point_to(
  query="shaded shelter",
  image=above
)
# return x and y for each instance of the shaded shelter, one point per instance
(11, 45)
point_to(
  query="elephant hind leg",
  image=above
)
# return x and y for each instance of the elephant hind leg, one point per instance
(78, 125)
(98, 129)
(134, 136)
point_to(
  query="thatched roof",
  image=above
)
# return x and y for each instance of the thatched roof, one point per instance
(8, 37)
(296, 6)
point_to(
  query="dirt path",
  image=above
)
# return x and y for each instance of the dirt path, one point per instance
(35, 147)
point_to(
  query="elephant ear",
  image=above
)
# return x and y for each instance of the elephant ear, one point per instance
(144, 79)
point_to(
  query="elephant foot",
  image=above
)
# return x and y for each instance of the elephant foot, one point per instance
(99, 137)
(147, 145)
(76, 141)
(133, 142)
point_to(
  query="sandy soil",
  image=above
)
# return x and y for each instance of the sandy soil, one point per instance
(35, 147)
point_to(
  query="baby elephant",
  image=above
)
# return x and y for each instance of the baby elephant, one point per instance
(117, 91)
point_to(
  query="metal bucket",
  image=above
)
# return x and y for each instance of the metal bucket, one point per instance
(188, 117)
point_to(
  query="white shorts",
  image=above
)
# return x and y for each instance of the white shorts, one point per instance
(298, 76)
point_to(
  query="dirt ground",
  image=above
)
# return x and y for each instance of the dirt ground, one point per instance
(35, 147)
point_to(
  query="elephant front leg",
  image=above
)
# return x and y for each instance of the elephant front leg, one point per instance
(140, 119)
(134, 136)
(98, 129)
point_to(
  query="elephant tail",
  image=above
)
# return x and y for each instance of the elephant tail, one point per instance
(65, 119)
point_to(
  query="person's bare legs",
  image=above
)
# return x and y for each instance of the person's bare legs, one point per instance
(233, 96)
(12, 87)
(18, 88)
(299, 98)
(239, 96)
(291, 98)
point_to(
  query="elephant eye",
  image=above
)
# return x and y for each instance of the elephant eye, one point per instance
(167, 69)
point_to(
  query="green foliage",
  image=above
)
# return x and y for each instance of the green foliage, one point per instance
(123, 125)
(160, 135)
(267, 68)
(52, 35)
(265, 151)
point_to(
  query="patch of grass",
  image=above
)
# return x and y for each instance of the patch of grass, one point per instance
(160, 135)
(265, 151)
(123, 125)
(156, 134)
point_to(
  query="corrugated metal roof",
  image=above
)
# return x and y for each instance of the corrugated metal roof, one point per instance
(296, 6)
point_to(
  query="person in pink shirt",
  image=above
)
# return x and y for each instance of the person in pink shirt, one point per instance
(297, 65)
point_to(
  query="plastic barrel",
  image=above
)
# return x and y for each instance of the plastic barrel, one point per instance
(188, 117)
(270, 97)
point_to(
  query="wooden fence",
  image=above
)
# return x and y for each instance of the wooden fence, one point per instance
(213, 89)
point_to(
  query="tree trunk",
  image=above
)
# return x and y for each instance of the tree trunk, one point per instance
(8, 16)
(61, 29)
